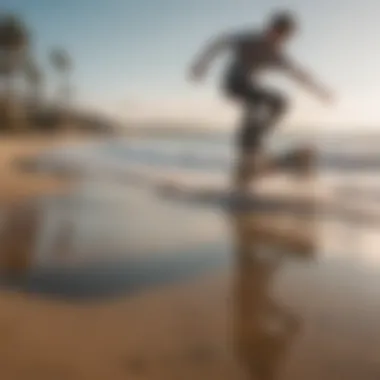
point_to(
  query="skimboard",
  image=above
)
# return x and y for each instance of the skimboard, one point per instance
(298, 161)
(308, 203)
(225, 197)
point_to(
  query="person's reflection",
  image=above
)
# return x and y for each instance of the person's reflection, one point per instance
(263, 329)
(17, 239)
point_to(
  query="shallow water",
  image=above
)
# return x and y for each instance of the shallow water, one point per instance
(104, 239)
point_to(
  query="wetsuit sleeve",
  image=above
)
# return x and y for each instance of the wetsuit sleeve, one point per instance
(292, 69)
(286, 64)
(297, 73)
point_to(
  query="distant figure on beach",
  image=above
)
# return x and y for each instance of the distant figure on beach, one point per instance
(252, 51)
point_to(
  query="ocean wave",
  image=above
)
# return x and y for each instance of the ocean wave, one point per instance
(145, 159)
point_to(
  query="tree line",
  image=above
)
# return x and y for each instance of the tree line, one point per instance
(22, 79)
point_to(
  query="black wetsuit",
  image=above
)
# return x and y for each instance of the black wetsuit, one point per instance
(252, 52)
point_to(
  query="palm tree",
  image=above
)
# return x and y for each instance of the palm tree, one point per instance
(14, 39)
(62, 63)
(34, 79)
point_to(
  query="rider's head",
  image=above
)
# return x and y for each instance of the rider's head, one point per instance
(281, 26)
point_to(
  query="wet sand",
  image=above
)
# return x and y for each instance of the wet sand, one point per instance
(271, 297)
(16, 185)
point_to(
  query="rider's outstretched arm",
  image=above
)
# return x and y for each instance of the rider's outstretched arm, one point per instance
(308, 82)
(212, 50)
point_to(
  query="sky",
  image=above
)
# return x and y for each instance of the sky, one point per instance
(131, 56)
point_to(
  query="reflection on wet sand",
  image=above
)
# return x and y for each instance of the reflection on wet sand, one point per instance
(181, 330)
(17, 238)
(92, 244)
(263, 328)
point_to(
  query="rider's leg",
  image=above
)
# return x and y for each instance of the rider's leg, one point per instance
(276, 105)
(251, 159)
(300, 159)
(254, 99)
(249, 151)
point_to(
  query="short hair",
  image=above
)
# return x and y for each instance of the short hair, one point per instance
(282, 21)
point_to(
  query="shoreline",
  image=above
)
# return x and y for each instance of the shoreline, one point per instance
(18, 185)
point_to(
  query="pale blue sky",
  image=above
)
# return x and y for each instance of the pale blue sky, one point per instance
(131, 55)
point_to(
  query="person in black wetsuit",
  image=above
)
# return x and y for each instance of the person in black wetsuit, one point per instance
(254, 51)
